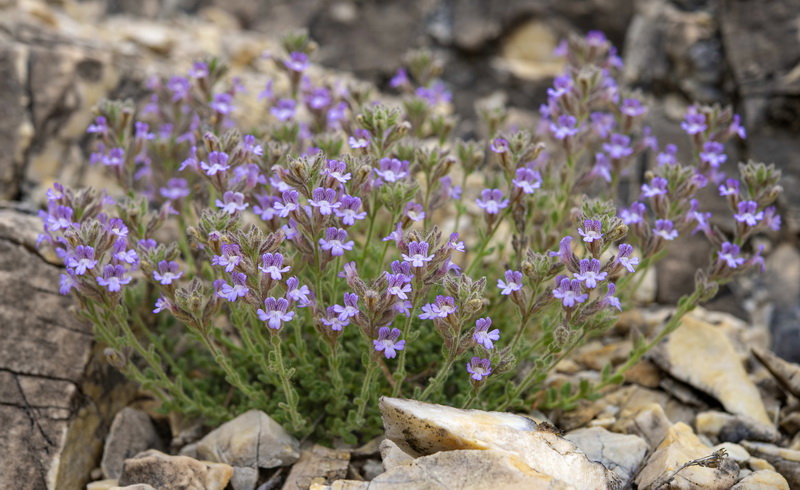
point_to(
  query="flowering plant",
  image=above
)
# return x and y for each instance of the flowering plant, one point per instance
(342, 249)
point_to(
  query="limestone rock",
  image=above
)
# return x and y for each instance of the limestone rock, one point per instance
(701, 355)
(650, 422)
(680, 446)
(620, 453)
(131, 432)
(392, 456)
(102, 484)
(762, 480)
(786, 373)
(423, 429)
(251, 440)
(174, 472)
(734, 451)
(138, 486)
(734, 428)
(317, 465)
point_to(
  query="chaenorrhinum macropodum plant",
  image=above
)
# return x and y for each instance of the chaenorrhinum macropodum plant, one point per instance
(342, 250)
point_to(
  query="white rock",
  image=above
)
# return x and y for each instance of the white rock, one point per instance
(620, 453)
(762, 480)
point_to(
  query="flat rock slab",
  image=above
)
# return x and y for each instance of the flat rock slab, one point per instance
(317, 465)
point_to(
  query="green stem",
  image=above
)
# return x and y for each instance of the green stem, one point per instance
(484, 243)
(366, 388)
(400, 372)
(438, 381)
(298, 422)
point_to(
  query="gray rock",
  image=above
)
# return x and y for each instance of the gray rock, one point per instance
(250, 440)
(650, 422)
(131, 433)
(786, 373)
(392, 456)
(785, 461)
(174, 472)
(621, 453)
(734, 428)
(138, 486)
(15, 127)
(316, 465)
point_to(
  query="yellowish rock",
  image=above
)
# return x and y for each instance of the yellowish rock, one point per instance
(762, 480)
(760, 464)
(528, 52)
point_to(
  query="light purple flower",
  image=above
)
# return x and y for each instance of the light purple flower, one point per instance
(334, 320)
(737, 128)
(336, 242)
(624, 257)
(324, 199)
(632, 107)
(115, 158)
(730, 255)
(448, 189)
(82, 260)
(730, 188)
(147, 243)
(274, 312)
(667, 157)
(296, 292)
(318, 99)
(387, 342)
(772, 219)
(199, 69)
(664, 229)
(398, 285)
(100, 126)
(289, 204)
(482, 334)
(492, 201)
(713, 153)
(417, 254)
(702, 219)
(528, 180)
(232, 202)
(296, 62)
(657, 187)
(265, 209)
(349, 210)
(143, 132)
(479, 368)
(590, 273)
(175, 189)
(564, 254)
(238, 290)
(618, 146)
(591, 230)
(565, 127)
(290, 229)
(350, 308)
(455, 244)
(167, 272)
(360, 139)
(283, 110)
(337, 170)
(561, 86)
(180, 88)
(634, 214)
(499, 145)
(512, 283)
(222, 103)
(602, 123)
(272, 265)
(748, 213)
(437, 93)
(399, 79)
(121, 253)
(60, 219)
(610, 299)
(440, 308)
(162, 304)
(113, 278)
(414, 211)
(392, 170)
(230, 258)
(218, 162)
(694, 123)
(396, 234)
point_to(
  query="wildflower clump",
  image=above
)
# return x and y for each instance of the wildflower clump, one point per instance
(340, 249)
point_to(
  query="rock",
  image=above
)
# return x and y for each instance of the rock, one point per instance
(57, 395)
(595, 355)
(734, 451)
(762, 480)
(174, 472)
(317, 465)
(785, 461)
(734, 428)
(786, 373)
(131, 432)
(620, 453)
(102, 484)
(16, 130)
(680, 446)
(650, 422)
(491, 468)
(527, 51)
(759, 464)
(421, 429)
(701, 355)
(392, 456)
(138, 486)
(251, 440)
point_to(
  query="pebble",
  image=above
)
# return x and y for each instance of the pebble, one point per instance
(131, 432)
(762, 480)
(621, 453)
(174, 472)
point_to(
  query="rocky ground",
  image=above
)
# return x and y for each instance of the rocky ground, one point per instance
(69, 419)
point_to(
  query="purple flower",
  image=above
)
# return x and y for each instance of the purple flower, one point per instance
(336, 114)
(482, 334)
(435, 94)
(701, 218)
(113, 278)
(349, 210)
(335, 241)
(180, 88)
(618, 147)
(115, 158)
(664, 229)
(398, 285)
(694, 123)
(349, 271)
(336, 169)
(667, 157)
(272, 264)
(566, 127)
(296, 292)
(404, 307)
(737, 128)
(123, 255)
(771, 219)
(274, 312)
(175, 189)
(283, 110)
(100, 126)
(561, 86)
(479, 368)
(448, 190)
(414, 211)
(230, 258)
(162, 304)
(82, 260)
(499, 145)
(222, 103)
(143, 132)
(392, 170)
(199, 69)
(512, 283)
(756, 259)
(492, 201)
(624, 257)
(590, 273)
(404, 268)
(251, 146)
(602, 123)
(296, 62)
(350, 308)
(396, 234)
(564, 254)
(361, 139)
(290, 229)
(610, 299)
(334, 320)
(658, 187)
(440, 308)
(289, 203)
(387, 342)
(528, 180)
(147, 244)
(602, 166)
(455, 244)
(399, 79)
(318, 98)
(634, 214)
(569, 292)
(61, 219)
(747, 213)
(232, 202)
(592, 230)
(417, 254)
(713, 153)
(325, 200)
(631, 107)
(167, 272)
(238, 290)
(265, 208)
(730, 188)
(218, 162)
(730, 255)
(191, 162)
